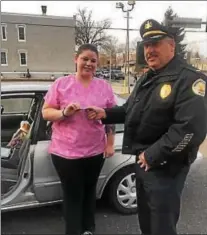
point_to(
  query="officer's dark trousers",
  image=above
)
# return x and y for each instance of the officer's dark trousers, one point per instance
(78, 179)
(158, 196)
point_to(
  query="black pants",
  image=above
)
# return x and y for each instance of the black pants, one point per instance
(78, 179)
(158, 198)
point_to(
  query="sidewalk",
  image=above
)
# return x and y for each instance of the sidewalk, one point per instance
(120, 89)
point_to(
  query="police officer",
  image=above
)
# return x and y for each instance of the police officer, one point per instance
(165, 123)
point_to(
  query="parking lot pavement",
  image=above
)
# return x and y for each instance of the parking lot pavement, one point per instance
(120, 88)
(49, 220)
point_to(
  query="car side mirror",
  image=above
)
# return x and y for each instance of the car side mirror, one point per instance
(2, 109)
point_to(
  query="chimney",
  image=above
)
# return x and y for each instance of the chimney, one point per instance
(44, 10)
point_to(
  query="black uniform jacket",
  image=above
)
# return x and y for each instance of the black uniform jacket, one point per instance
(165, 115)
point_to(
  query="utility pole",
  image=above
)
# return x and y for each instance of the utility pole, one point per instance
(110, 66)
(128, 72)
(121, 5)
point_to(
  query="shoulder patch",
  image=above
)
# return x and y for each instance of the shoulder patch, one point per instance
(199, 87)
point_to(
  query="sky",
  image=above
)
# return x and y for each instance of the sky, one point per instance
(142, 11)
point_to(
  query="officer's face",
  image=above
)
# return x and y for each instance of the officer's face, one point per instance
(158, 54)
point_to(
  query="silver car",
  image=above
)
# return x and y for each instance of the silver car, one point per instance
(28, 178)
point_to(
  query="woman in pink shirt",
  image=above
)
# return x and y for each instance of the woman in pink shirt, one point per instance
(79, 145)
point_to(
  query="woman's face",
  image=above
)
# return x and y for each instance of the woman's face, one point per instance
(86, 63)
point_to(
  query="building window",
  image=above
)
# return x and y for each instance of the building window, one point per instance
(3, 32)
(4, 59)
(21, 33)
(23, 58)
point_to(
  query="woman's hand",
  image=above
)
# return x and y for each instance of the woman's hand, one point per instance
(71, 109)
(109, 151)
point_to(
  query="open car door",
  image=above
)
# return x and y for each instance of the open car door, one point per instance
(14, 182)
(16, 168)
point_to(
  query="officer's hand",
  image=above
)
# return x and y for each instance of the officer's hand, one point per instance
(95, 113)
(143, 162)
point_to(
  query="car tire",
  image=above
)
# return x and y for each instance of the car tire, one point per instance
(125, 179)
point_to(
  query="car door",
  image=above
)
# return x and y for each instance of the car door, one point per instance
(15, 109)
(46, 183)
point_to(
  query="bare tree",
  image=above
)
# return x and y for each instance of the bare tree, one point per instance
(113, 47)
(133, 43)
(88, 30)
(121, 48)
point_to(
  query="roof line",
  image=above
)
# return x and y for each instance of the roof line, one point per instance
(37, 15)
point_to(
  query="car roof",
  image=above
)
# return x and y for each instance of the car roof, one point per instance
(31, 86)
(24, 86)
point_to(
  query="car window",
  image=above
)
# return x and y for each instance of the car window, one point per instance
(119, 128)
(16, 104)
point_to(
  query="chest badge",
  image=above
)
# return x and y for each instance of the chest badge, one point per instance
(199, 87)
(165, 91)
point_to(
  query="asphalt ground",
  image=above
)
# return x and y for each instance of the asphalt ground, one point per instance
(49, 220)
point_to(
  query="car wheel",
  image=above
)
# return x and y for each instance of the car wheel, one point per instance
(122, 191)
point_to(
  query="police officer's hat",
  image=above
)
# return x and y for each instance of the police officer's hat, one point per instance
(152, 31)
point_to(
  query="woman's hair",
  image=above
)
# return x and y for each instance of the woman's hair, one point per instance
(86, 47)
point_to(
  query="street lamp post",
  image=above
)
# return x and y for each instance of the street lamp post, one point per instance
(121, 5)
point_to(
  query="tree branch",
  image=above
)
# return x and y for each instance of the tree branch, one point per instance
(89, 31)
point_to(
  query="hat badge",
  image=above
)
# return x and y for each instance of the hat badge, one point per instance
(148, 25)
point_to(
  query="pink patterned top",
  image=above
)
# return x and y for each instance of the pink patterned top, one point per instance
(76, 136)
